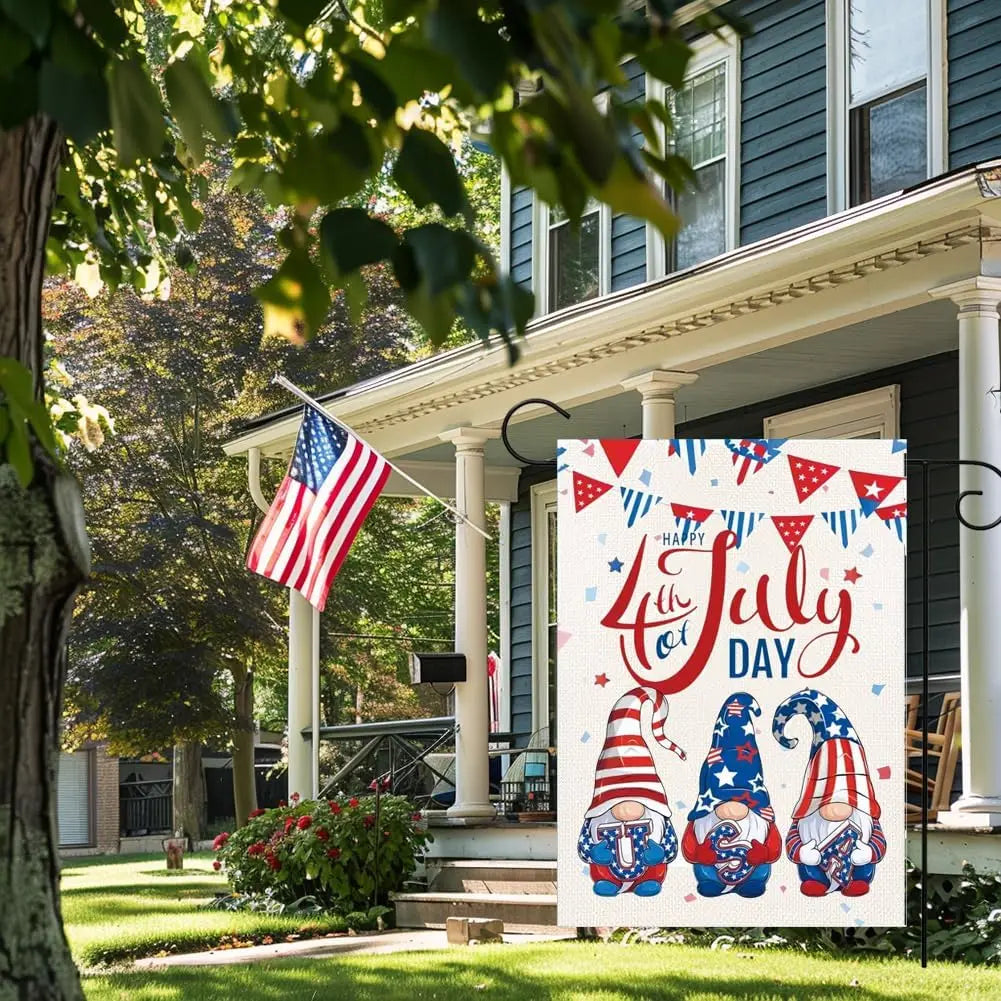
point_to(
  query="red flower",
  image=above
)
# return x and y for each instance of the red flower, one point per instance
(255, 813)
(273, 863)
(353, 803)
(217, 865)
(294, 797)
(220, 841)
(257, 848)
(282, 803)
(369, 820)
(334, 853)
(416, 817)
(289, 824)
(335, 807)
(322, 834)
(304, 822)
(385, 834)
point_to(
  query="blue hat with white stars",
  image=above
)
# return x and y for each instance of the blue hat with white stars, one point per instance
(732, 769)
(826, 718)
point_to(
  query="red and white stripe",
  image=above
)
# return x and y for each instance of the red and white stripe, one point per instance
(305, 535)
(837, 773)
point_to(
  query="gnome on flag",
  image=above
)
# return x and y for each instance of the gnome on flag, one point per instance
(731, 839)
(627, 836)
(835, 838)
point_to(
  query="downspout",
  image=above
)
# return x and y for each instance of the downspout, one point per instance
(254, 477)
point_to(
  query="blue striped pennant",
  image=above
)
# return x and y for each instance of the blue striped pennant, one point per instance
(842, 524)
(690, 449)
(637, 504)
(741, 523)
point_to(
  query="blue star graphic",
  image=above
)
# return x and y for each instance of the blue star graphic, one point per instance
(615, 565)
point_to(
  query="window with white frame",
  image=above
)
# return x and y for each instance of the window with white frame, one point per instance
(544, 645)
(875, 414)
(574, 256)
(887, 79)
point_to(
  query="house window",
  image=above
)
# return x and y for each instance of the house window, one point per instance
(74, 799)
(887, 45)
(544, 609)
(574, 254)
(875, 414)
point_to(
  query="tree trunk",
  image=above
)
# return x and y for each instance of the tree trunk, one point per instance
(44, 558)
(244, 778)
(189, 792)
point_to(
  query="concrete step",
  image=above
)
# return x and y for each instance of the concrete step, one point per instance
(452, 875)
(520, 912)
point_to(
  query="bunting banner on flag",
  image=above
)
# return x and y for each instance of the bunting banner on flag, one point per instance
(728, 695)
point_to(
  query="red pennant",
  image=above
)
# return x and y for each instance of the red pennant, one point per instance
(872, 488)
(809, 475)
(620, 451)
(587, 491)
(892, 511)
(792, 528)
(697, 514)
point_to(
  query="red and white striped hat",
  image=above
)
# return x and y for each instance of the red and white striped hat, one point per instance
(626, 769)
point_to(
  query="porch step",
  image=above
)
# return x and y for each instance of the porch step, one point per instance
(492, 876)
(520, 912)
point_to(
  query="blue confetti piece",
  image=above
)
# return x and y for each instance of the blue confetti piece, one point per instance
(681, 805)
(714, 483)
(878, 689)
(645, 477)
(846, 907)
(585, 737)
(590, 593)
(859, 922)
(742, 567)
(878, 606)
(602, 539)
(899, 445)
(585, 870)
(868, 551)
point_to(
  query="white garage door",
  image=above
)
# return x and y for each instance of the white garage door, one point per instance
(74, 799)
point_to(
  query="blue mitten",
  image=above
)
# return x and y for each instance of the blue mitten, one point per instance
(653, 854)
(601, 853)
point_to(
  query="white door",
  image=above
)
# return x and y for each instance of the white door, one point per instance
(74, 801)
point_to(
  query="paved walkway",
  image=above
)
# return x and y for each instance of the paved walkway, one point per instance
(403, 940)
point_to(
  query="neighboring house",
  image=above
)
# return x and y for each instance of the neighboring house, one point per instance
(87, 801)
(839, 276)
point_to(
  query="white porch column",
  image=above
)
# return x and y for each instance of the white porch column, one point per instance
(303, 625)
(472, 711)
(979, 552)
(657, 388)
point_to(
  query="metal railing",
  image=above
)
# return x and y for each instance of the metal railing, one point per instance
(145, 807)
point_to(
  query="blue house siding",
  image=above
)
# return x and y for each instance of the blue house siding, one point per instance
(929, 420)
(628, 257)
(783, 127)
(974, 52)
(521, 235)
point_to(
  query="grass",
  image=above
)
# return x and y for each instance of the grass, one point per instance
(567, 971)
(124, 907)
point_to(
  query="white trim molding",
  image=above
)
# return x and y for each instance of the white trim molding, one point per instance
(858, 416)
(543, 500)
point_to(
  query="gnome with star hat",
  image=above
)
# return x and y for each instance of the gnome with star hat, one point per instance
(731, 839)
(835, 838)
(627, 836)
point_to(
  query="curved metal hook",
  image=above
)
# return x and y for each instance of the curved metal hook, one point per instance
(941, 463)
(507, 420)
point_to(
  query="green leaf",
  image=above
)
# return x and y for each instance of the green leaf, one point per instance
(78, 102)
(667, 59)
(425, 169)
(444, 257)
(18, 95)
(296, 300)
(34, 17)
(19, 451)
(194, 107)
(103, 18)
(374, 89)
(477, 48)
(301, 12)
(73, 50)
(353, 238)
(136, 113)
(15, 46)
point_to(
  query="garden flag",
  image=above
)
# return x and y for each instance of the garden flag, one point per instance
(332, 483)
(730, 680)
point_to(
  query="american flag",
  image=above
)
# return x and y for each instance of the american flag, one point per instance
(331, 485)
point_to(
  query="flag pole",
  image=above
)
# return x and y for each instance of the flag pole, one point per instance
(310, 402)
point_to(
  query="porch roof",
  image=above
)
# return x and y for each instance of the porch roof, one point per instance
(760, 299)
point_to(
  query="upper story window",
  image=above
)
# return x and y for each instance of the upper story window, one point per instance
(574, 254)
(887, 97)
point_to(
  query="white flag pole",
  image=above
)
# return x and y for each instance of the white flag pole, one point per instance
(310, 402)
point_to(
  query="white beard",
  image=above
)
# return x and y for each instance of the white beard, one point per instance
(753, 827)
(655, 820)
(815, 828)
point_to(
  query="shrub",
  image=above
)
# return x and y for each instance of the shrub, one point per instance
(345, 854)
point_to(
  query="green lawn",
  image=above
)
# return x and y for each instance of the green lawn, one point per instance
(567, 971)
(124, 907)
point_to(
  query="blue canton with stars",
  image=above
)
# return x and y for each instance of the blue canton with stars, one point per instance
(320, 444)
(827, 719)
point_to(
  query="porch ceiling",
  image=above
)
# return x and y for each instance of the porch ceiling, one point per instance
(879, 342)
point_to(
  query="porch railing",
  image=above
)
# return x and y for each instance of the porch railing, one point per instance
(145, 807)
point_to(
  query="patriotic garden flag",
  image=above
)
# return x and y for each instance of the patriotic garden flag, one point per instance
(729, 691)
(331, 485)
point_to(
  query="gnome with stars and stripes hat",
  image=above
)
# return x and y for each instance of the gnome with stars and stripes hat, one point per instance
(731, 839)
(835, 838)
(627, 836)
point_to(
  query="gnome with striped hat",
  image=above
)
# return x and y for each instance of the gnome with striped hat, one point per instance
(627, 836)
(835, 838)
(731, 839)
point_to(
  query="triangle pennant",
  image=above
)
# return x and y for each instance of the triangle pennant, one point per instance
(619, 452)
(689, 518)
(741, 523)
(637, 504)
(894, 516)
(752, 454)
(842, 524)
(872, 488)
(791, 528)
(587, 490)
(808, 475)
(690, 449)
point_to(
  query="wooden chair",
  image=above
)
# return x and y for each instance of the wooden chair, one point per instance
(943, 755)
